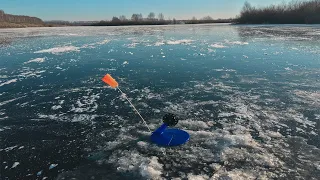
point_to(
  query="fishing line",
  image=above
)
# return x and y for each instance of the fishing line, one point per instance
(125, 96)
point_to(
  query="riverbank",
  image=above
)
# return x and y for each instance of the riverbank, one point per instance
(295, 12)
(19, 21)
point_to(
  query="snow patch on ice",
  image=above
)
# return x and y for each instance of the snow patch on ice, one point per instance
(9, 148)
(28, 72)
(190, 124)
(159, 43)
(37, 60)
(9, 82)
(151, 169)
(312, 98)
(59, 50)
(224, 70)
(236, 42)
(174, 42)
(103, 42)
(197, 177)
(134, 162)
(300, 118)
(183, 41)
(86, 103)
(83, 118)
(218, 45)
(9, 101)
(132, 45)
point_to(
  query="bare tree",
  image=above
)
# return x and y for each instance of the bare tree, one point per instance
(2, 15)
(115, 19)
(194, 18)
(135, 17)
(122, 18)
(246, 8)
(161, 17)
(140, 17)
(151, 16)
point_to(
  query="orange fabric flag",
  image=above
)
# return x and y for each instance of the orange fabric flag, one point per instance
(109, 80)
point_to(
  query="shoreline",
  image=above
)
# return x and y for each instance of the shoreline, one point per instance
(21, 26)
(11, 26)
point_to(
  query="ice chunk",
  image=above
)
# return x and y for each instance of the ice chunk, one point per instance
(56, 107)
(39, 173)
(133, 161)
(152, 170)
(53, 166)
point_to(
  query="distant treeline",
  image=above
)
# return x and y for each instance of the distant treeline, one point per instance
(295, 12)
(137, 19)
(53, 23)
(165, 22)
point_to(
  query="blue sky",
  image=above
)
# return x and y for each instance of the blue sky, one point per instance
(104, 9)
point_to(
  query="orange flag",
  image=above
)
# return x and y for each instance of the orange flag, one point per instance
(109, 80)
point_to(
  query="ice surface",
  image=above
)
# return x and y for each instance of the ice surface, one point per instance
(250, 116)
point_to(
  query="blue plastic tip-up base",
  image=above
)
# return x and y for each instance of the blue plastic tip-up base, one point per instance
(169, 137)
